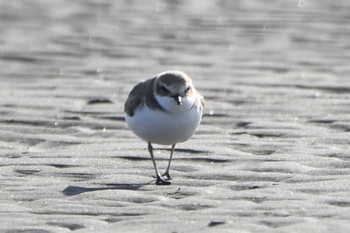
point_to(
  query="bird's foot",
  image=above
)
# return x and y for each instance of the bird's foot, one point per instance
(166, 176)
(162, 181)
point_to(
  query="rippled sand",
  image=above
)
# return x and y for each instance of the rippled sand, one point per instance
(271, 154)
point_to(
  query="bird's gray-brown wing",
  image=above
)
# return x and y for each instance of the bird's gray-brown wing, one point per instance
(136, 97)
(199, 100)
(142, 94)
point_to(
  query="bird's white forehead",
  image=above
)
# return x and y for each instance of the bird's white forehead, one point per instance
(176, 79)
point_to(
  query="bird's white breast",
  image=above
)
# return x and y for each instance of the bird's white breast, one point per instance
(177, 124)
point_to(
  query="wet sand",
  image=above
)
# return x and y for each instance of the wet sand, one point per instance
(271, 154)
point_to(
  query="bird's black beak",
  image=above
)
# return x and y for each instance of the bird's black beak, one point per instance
(178, 99)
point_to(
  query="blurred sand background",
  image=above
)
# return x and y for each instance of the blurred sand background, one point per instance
(272, 152)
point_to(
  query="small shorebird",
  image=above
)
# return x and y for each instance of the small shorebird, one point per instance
(165, 110)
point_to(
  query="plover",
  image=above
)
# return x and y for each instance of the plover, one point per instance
(165, 110)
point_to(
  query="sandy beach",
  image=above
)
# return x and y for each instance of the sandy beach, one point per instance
(272, 151)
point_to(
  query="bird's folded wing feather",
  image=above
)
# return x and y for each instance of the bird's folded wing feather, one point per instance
(136, 98)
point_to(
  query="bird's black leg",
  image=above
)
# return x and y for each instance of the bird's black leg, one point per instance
(160, 180)
(166, 174)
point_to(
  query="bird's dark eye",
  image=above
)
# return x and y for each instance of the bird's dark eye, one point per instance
(164, 89)
(187, 89)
